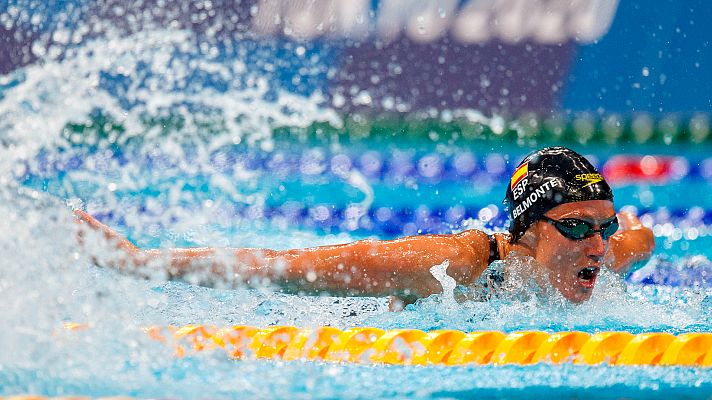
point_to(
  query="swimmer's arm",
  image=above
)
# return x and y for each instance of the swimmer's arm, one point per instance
(367, 267)
(631, 244)
(120, 243)
(395, 267)
(398, 267)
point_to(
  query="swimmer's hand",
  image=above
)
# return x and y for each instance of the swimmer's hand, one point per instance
(629, 221)
(127, 252)
(107, 248)
(633, 243)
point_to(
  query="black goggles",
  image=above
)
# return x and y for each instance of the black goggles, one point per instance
(578, 229)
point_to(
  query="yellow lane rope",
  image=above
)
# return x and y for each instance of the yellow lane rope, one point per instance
(440, 347)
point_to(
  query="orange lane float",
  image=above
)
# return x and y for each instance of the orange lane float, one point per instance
(603, 347)
(689, 349)
(311, 344)
(353, 345)
(560, 347)
(518, 347)
(475, 347)
(439, 347)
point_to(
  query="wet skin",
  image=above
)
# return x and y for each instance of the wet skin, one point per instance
(401, 267)
(563, 259)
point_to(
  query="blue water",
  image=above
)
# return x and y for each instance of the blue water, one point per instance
(219, 178)
(114, 357)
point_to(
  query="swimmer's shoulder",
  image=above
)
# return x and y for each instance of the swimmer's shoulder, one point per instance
(487, 247)
(488, 270)
(478, 238)
(473, 238)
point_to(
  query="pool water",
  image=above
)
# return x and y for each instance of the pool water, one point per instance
(48, 281)
(112, 127)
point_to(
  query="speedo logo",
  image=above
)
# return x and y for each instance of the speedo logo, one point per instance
(590, 178)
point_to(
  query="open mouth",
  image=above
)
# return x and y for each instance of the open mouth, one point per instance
(587, 276)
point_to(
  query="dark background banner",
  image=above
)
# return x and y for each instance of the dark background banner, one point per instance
(503, 56)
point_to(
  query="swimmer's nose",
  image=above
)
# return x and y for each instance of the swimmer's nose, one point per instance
(597, 247)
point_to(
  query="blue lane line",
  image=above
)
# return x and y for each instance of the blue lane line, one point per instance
(374, 165)
(388, 222)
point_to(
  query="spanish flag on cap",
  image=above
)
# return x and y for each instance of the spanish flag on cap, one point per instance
(519, 174)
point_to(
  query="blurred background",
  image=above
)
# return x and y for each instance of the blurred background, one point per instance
(284, 124)
(603, 57)
(408, 107)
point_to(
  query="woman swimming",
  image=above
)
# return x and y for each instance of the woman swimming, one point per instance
(562, 217)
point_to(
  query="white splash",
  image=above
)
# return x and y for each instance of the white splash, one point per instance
(447, 282)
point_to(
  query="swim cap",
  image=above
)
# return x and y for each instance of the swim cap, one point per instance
(547, 178)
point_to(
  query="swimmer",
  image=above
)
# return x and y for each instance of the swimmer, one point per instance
(561, 216)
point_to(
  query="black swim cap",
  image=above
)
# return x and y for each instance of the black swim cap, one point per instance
(547, 178)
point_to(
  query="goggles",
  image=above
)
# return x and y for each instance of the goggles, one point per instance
(578, 229)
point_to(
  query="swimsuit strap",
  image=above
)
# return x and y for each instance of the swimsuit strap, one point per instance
(493, 249)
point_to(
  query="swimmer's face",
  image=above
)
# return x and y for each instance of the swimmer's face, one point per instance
(573, 265)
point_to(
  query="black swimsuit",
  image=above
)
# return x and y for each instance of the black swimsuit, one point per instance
(494, 250)
(491, 278)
